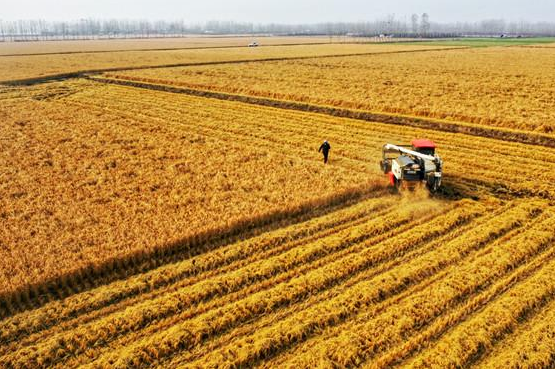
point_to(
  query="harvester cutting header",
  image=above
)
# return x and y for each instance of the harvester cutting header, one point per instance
(409, 165)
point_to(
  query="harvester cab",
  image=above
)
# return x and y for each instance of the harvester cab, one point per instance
(410, 165)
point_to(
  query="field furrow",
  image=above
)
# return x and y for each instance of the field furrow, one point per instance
(369, 335)
(468, 341)
(503, 287)
(222, 319)
(191, 270)
(531, 344)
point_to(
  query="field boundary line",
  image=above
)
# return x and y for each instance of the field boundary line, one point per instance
(85, 73)
(529, 138)
(183, 48)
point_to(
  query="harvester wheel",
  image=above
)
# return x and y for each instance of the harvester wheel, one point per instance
(434, 185)
(398, 183)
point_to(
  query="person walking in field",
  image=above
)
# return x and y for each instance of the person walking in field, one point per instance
(325, 149)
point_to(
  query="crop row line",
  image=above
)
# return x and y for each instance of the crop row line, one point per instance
(225, 317)
(370, 335)
(291, 331)
(19, 326)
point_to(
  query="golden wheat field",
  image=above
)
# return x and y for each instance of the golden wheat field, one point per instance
(148, 223)
(31, 67)
(503, 87)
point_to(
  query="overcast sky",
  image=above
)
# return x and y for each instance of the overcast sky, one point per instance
(279, 11)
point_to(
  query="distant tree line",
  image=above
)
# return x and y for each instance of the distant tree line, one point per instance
(416, 26)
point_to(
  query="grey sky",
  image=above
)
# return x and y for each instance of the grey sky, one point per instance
(280, 11)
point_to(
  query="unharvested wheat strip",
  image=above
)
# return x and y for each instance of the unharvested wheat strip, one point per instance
(530, 346)
(260, 80)
(192, 332)
(372, 335)
(469, 156)
(467, 341)
(228, 339)
(297, 123)
(56, 65)
(463, 145)
(144, 313)
(177, 106)
(469, 147)
(30, 321)
(301, 325)
(450, 321)
(281, 120)
(121, 92)
(489, 172)
(240, 133)
(216, 131)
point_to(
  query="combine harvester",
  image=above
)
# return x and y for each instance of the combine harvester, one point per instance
(408, 166)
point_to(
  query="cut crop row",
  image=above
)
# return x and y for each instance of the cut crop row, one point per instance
(193, 332)
(370, 335)
(367, 293)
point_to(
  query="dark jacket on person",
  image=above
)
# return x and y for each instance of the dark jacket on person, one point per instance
(325, 147)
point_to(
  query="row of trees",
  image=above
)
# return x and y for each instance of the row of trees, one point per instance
(416, 26)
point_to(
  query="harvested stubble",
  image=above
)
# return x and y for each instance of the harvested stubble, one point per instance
(501, 86)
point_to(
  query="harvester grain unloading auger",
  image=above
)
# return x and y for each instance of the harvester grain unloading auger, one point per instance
(410, 165)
